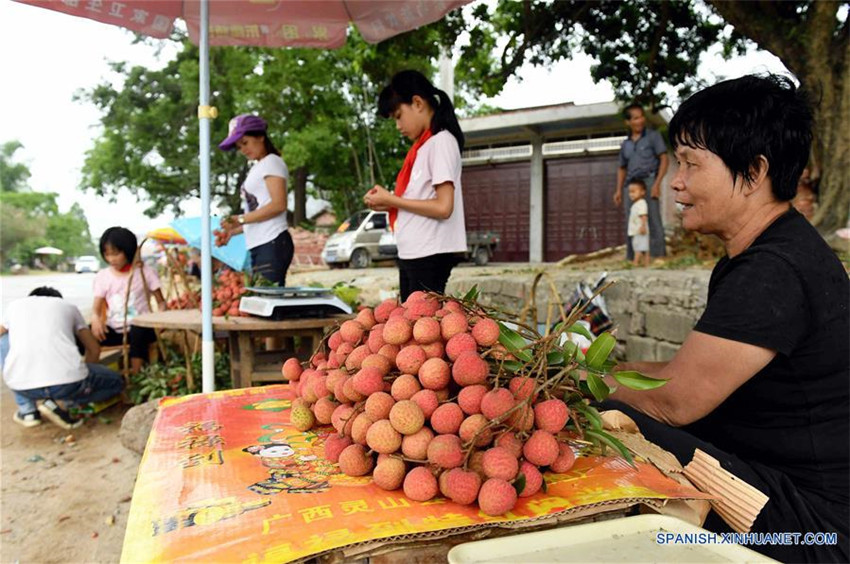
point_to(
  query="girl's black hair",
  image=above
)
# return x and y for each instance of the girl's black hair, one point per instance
(739, 120)
(409, 83)
(122, 239)
(46, 291)
(270, 148)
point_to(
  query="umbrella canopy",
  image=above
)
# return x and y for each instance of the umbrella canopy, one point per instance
(49, 251)
(234, 254)
(166, 235)
(281, 23)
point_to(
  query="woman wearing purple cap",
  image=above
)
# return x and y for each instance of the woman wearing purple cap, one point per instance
(263, 200)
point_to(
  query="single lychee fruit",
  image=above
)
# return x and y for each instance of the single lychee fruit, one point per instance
(445, 451)
(486, 332)
(351, 331)
(421, 308)
(476, 463)
(360, 427)
(366, 318)
(397, 331)
(334, 445)
(420, 484)
(350, 392)
(415, 296)
(453, 324)
(461, 486)
(406, 417)
(334, 341)
(447, 418)
(339, 390)
(342, 418)
(410, 359)
(335, 376)
(344, 348)
(404, 387)
(508, 440)
(319, 384)
(533, 479)
(318, 358)
(434, 374)
(498, 462)
(368, 381)
(415, 446)
(378, 405)
(551, 415)
(389, 473)
(427, 401)
(389, 351)
(323, 410)
(565, 460)
(469, 398)
(381, 437)
(460, 343)
(426, 330)
(397, 312)
(496, 403)
(496, 497)
(522, 387)
(522, 418)
(355, 359)
(302, 418)
(470, 369)
(353, 461)
(378, 361)
(476, 427)
(453, 306)
(434, 350)
(382, 311)
(541, 448)
(292, 370)
(376, 338)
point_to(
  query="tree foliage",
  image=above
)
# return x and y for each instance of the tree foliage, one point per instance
(13, 175)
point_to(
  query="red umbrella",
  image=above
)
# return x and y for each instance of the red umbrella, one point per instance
(269, 23)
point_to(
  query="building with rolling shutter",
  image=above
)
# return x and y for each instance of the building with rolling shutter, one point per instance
(543, 179)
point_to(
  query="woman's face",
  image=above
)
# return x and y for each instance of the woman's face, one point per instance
(254, 148)
(705, 193)
(412, 119)
(114, 257)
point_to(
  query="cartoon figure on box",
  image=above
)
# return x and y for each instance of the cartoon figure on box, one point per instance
(289, 471)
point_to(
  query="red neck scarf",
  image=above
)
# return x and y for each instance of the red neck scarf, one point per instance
(403, 178)
(126, 268)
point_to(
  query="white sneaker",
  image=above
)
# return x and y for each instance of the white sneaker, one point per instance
(29, 420)
(58, 416)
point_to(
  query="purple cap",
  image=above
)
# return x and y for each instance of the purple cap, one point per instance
(239, 126)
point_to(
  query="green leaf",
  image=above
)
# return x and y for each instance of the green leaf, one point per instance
(637, 381)
(610, 441)
(519, 484)
(555, 358)
(514, 342)
(581, 330)
(572, 351)
(472, 294)
(512, 365)
(599, 350)
(598, 388)
(592, 416)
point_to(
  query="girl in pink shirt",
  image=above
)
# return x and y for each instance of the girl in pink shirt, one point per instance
(426, 208)
(110, 318)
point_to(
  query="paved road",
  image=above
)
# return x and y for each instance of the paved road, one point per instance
(76, 288)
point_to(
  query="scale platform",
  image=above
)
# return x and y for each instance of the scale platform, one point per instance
(292, 303)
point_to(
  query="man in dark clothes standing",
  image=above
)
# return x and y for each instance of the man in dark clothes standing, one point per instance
(643, 156)
(762, 383)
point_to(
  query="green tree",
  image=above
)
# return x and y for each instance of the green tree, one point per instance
(13, 176)
(647, 48)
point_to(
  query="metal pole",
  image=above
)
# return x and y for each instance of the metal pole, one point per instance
(207, 345)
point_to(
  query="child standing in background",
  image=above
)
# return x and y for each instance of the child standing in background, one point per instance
(427, 201)
(118, 248)
(638, 227)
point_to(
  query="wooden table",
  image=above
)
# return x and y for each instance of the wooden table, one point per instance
(247, 364)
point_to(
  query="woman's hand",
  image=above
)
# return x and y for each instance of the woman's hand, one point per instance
(98, 329)
(378, 198)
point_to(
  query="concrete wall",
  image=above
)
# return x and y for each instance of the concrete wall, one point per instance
(653, 310)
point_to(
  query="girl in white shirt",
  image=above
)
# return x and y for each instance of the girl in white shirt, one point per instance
(426, 207)
(263, 199)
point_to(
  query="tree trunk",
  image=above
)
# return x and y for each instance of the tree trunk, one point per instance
(818, 53)
(299, 185)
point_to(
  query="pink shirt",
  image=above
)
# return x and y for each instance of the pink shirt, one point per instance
(111, 285)
(417, 236)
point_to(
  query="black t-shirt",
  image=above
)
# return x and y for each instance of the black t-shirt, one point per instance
(787, 292)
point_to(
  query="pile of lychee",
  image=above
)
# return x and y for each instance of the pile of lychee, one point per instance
(417, 398)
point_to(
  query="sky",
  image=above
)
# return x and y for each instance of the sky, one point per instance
(47, 57)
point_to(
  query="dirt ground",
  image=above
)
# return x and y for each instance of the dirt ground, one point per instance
(65, 496)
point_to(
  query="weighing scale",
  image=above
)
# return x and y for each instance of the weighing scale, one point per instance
(292, 303)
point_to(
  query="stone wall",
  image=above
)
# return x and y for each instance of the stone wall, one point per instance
(653, 310)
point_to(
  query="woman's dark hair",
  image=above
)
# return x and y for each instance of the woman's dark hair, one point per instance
(46, 291)
(270, 148)
(739, 120)
(409, 83)
(122, 239)
(627, 111)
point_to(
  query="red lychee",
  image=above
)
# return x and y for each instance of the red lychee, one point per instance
(404, 387)
(334, 445)
(382, 312)
(376, 338)
(427, 401)
(421, 308)
(461, 486)
(381, 437)
(496, 403)
(470, 369)
(434, 374)
(475, 427)
(452, 324)
(397, 331)
(521, 387)
(389, 473)
(378, 361)
(486, 332)
(551, 415)
(460, 343)
(360, 427)
(366, 318)
(368, 381)
(496, 497)
(415, 446)
(469, 398)
(447, 418)
(426, 330)
(334, 341)
(511, 442)
(355, 359)
(406, 417)
(434, 350)
(378, 405)
(351, 331)
(353, 461)
(420, 484)
(565, 460)
(533, 479)
(292, 370)
(445, 451)
(410, 359)
(541, 448)
(324, 409)
(498, 462)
